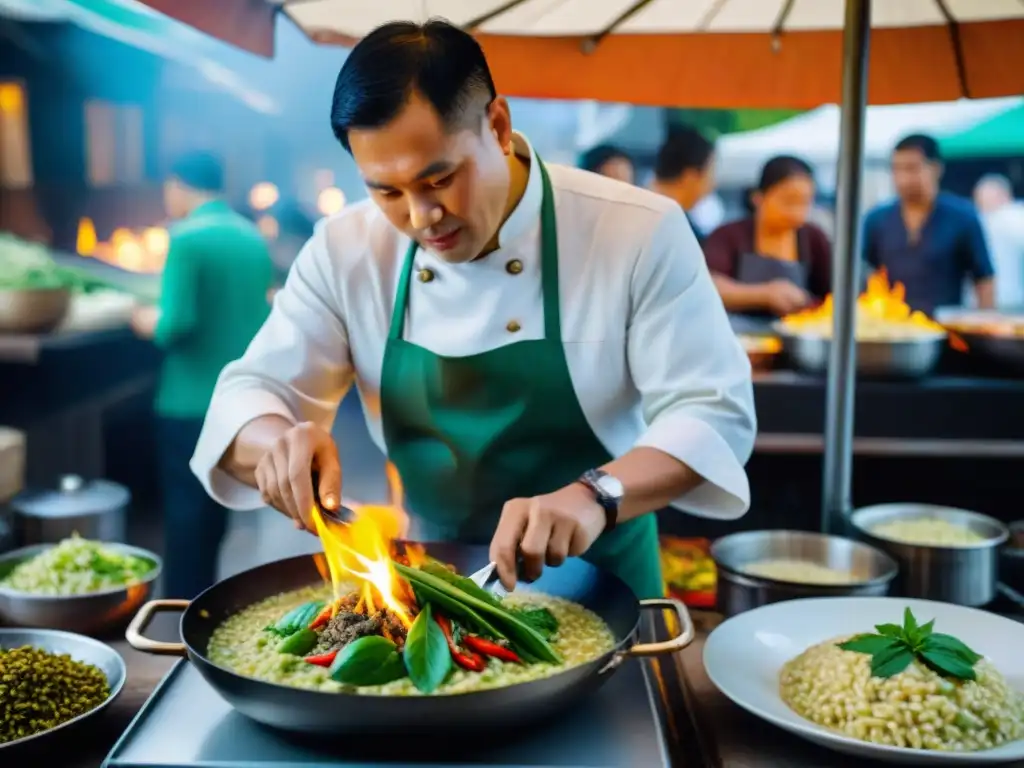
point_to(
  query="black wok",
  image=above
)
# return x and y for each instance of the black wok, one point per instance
(315, 712)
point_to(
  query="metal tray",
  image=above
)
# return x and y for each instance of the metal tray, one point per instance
(185, 724)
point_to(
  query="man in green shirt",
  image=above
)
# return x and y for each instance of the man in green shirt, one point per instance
(213, 300)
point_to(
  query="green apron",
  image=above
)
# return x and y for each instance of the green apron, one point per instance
(469, 433)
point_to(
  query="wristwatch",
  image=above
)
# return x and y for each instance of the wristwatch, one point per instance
(608, 492)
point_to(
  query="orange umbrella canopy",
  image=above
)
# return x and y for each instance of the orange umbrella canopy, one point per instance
(697, 53)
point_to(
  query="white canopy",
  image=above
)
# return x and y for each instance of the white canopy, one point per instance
(814, 135)
(587, 17)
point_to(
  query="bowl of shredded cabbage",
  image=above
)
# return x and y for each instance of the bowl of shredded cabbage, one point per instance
(77, 585)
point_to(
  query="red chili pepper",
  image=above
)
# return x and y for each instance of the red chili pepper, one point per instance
(471, 661)
(323, 660)
(489, 648)
(323, 617)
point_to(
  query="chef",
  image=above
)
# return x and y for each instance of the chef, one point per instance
(539, 351)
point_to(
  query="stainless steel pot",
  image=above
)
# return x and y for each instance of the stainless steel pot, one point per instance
(94, 510)
(92, 614)
(738, 592)
(961, 575)
(35, 310)
(904, 358)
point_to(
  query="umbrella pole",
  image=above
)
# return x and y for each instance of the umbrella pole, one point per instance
(842, 369)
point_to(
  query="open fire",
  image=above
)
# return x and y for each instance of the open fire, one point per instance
(882, 312)
(358, 554)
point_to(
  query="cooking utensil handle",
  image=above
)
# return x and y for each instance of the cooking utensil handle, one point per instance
(140, 642)
(675, 644)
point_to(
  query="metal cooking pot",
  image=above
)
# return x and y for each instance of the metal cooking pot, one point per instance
(33, 310)
(339, 714)
(898, 358)
(94, 510)
(739, 592)
(960, 575)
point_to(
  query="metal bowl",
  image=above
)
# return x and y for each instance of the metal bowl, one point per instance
(738, 592)
(1004, 348)
(33, 310)
(79, 648)
(910, 358)
(94, 613)
(962, 575)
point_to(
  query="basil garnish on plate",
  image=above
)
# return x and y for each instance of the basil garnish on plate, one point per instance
(894, 648)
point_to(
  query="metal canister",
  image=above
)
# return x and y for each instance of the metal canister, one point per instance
(964, 575)
(95, 510)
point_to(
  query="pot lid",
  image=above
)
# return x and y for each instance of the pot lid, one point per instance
(74, 497)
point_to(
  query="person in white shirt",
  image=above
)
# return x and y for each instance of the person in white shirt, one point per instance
(540, 351)
(1002, 219)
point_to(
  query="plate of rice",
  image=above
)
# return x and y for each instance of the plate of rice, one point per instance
(906, 681)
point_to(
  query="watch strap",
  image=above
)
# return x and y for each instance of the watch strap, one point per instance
(610, 504)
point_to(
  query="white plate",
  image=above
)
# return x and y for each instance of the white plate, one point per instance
(744, 655)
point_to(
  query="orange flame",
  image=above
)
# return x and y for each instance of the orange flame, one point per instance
(880, 304)
(360, 551)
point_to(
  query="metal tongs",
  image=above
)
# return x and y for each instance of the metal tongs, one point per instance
(487, 578)
(340, 515)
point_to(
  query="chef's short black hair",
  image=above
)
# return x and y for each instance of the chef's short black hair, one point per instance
(926, 145)
(684, 149)
(595, 158)
(438, 60)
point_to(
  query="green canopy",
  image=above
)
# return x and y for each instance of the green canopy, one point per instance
(1000, 136)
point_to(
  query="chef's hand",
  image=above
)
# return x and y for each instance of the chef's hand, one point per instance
(782, 297)
(284, 475)
(545, 530)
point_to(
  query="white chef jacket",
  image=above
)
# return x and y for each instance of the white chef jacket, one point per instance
(649, 347)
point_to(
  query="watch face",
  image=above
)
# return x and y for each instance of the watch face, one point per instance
(610, 486)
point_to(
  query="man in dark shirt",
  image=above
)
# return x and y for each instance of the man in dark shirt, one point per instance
(685, 170)
(930, 241)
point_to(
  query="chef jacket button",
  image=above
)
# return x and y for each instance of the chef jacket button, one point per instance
(513, 326)
(425, 275)
(514, 267)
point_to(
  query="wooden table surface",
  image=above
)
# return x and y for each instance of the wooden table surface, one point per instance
(732, 738)
(86, 746)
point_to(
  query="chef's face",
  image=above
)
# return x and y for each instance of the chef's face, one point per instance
(786, 204)
(445, 187)
(176, 199)
(915, 177)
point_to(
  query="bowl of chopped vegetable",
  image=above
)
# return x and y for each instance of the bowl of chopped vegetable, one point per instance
(76, 585)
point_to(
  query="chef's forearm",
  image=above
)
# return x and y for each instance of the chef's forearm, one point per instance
(249, 446)
(985, 293)
(737, 296)
(652, 479)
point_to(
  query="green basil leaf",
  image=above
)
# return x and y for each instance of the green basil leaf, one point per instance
(299, 643)
(370, 660)
(891, 661)
(950, 644)
(890, 630)
(909, 623)
(925, 631)
(947, 663)
(541, 619)
(426, 655)
(871, 644)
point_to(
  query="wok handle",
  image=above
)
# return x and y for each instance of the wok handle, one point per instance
(675, 644)
(140, 642)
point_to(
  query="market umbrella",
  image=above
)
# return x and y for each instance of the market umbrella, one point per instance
(1001, 136)
(710, 53)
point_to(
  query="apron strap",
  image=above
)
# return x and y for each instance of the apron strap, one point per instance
(549, 270)
(402, 297)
